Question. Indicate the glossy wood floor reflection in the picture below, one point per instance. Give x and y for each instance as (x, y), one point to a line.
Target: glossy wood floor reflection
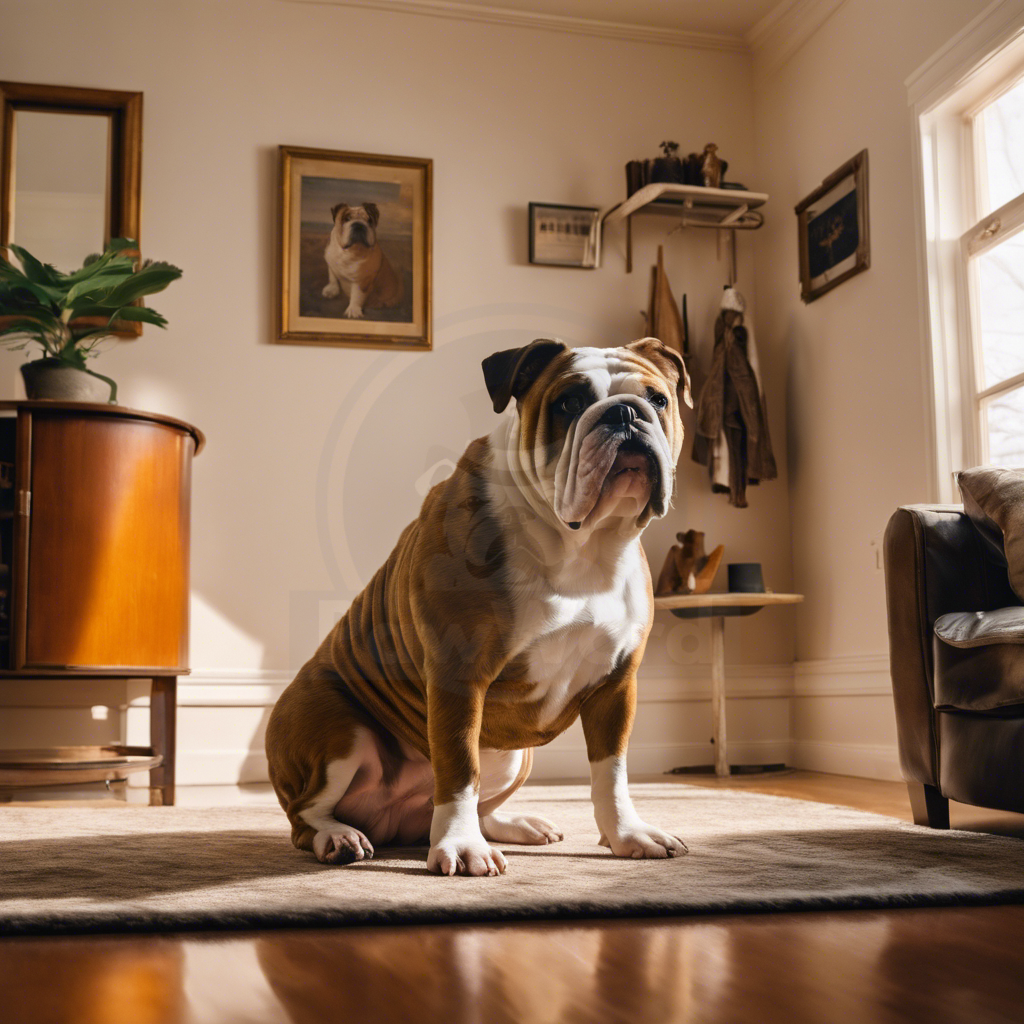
(935, 965)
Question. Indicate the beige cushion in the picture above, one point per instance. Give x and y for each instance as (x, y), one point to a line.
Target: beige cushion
(994, 500)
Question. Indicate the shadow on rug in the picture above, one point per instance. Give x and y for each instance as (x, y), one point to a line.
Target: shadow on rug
(66, 870)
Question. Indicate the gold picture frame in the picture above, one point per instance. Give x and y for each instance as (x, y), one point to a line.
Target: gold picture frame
(834, 229)
(355, 249)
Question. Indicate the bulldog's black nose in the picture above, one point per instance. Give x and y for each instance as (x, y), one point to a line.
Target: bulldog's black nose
(620, 415)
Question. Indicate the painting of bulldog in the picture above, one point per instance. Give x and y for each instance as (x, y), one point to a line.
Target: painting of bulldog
(356, 259)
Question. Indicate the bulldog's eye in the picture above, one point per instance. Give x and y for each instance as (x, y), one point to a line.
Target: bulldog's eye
(658, 400)
(571, 405)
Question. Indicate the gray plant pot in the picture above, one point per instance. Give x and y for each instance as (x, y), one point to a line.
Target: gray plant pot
(51, 378)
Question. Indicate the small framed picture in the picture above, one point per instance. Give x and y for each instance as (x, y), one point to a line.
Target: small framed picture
(834, 229)
(564, 236)
(354, 264)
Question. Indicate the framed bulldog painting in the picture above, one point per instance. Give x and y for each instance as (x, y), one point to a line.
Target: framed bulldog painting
(355, 256)
(833, 227)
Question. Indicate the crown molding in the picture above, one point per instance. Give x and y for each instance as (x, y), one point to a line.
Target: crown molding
(548, 22)
(785, 28)
(969, 51)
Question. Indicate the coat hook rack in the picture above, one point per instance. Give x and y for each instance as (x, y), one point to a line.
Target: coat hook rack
(721, 209)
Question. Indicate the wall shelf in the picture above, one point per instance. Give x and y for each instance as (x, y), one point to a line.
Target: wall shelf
(725, 209)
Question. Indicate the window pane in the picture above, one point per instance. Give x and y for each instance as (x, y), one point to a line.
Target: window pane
(1001, 312)
(1003, 416)
(1003, 123)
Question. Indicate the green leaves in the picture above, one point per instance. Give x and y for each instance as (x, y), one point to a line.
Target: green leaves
(40, 304)
(154, 278)
(38, 273)
(140, 313)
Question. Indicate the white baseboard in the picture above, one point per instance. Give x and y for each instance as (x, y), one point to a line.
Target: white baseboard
(862, 760)
(224, 748)
(860, 676)
(262, 687)
(655, 758)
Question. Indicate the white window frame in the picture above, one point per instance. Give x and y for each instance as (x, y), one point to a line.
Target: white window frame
(945, 94)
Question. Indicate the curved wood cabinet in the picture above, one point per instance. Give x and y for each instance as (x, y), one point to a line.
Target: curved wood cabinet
(94, 534)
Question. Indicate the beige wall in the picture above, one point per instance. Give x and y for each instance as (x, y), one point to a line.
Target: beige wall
(856, 399)
(314, 453)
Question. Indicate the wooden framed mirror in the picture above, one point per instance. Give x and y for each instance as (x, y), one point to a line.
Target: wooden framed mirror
(70, 171)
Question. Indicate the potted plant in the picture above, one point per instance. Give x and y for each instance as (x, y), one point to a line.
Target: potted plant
(68, 315)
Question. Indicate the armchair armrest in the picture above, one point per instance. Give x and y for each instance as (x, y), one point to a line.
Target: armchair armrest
(935, 562)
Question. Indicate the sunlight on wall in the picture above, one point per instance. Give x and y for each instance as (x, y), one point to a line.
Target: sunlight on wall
(223, 643)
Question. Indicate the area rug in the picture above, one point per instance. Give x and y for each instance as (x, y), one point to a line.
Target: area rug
(168, 868)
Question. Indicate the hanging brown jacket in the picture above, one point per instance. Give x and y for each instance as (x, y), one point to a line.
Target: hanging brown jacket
(731, 405)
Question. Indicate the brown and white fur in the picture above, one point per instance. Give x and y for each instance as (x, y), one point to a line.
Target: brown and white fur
(356, 263)
(519, 599)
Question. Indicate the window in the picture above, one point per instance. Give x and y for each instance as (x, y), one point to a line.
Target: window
(968, 117)
(993, 253)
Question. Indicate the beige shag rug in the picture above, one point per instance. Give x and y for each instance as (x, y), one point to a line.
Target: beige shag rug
(167, 868)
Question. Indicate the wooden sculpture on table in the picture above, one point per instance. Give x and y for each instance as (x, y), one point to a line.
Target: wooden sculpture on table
(687, 569)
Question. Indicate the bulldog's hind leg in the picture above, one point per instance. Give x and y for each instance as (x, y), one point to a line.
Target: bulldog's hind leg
(526, 829)
(502, 773)
(332, 841)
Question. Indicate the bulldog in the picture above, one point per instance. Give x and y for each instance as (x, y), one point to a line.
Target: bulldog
(356, 263)
(519, 599)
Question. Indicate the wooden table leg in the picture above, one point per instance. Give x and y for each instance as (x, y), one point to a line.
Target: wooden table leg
(163, 706)
(718, 693)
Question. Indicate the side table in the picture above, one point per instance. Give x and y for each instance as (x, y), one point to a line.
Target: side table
(718, 607)
(94, 571)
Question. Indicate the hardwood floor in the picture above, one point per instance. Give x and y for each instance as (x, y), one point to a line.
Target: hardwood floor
(935, 965)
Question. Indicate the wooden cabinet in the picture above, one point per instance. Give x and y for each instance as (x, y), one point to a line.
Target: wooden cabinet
(94, 551)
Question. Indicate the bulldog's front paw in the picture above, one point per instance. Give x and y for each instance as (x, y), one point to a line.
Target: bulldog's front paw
(331, 290)
(354, 312)
(642, 840)
(341, 845)
(465, 855)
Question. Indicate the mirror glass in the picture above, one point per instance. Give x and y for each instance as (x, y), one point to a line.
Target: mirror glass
(61, 185)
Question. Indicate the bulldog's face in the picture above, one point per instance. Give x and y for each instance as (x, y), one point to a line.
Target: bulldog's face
(356, 225)
(599, 432)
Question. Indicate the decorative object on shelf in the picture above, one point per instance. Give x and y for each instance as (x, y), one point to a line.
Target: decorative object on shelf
(355, 262)
(563, 236)
(833, 227)
(732, 437)
(663, 319)
(745, 578)
(68, 315)
(668, 166)
(687, 569)
(670, 169)
(711, 167)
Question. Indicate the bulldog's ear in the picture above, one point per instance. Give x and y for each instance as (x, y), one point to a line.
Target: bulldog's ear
(372, 212)
(510, 374)
(668, 360)
(335, 209)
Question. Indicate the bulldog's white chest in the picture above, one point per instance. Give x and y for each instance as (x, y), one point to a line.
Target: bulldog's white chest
(575, 641)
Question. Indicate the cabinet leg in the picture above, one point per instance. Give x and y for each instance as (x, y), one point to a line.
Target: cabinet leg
(718, 694)
(163, 706)
(930, 807)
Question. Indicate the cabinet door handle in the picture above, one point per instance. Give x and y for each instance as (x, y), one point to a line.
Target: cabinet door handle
(24, 503)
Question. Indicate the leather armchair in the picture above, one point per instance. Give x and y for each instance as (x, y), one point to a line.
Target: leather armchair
(956, 651)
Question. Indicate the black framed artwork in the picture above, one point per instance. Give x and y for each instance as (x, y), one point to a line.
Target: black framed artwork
(833, 229)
